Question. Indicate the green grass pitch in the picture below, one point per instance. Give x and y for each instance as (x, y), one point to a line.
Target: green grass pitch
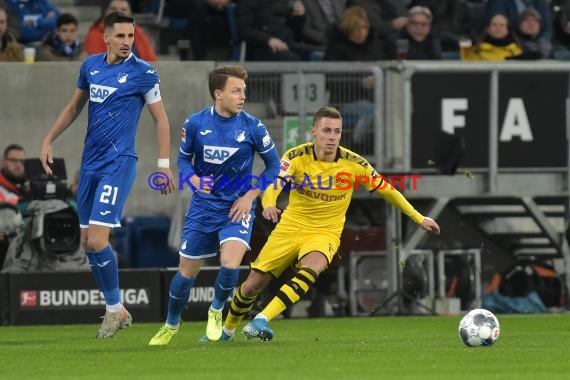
(530, 347)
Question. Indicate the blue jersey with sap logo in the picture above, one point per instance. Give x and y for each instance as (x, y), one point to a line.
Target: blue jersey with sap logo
(212, 145)
(117, 96)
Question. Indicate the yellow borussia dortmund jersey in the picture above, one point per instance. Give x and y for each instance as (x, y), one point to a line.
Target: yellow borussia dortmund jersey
(321, 191)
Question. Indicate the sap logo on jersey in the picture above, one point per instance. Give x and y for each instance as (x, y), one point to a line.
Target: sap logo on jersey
(217, 154)
(98, 93)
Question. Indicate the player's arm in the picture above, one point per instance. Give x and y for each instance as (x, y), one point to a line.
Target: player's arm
(243, 205)
(272, 191)
(163, 138)
(61, 123)
(395, 198)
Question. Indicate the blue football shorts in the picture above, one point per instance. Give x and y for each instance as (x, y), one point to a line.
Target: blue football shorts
(208, 226)
(101, 194)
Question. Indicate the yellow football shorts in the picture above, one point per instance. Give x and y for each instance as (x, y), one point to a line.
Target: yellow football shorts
(287, 246)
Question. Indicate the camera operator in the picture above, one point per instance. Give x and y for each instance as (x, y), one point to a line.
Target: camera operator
(12, 175)
(12, 193)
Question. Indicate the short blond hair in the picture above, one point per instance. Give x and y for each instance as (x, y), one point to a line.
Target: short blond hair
(350, 19)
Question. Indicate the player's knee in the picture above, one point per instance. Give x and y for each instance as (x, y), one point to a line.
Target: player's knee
(255, 284)
(317, 263)
(95, 243)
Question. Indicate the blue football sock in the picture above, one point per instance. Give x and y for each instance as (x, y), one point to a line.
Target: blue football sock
(178, 297)
(109, 272)
(225, 283)
(92, 257)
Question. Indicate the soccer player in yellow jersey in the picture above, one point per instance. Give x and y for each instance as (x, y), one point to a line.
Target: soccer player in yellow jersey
(322, 177)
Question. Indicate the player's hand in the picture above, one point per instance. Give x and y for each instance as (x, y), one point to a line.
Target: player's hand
(204, 184)
(46, 156)
(171, 186)
(271, 213)
(240, 209)
(430, 225)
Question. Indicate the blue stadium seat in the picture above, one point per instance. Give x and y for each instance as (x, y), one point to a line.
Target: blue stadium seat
(562, 55)
(450, 55)
(143, 241)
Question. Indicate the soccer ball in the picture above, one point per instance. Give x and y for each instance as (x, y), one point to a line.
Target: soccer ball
(479, 327)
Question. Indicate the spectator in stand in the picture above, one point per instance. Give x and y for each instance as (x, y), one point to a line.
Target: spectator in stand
(10, 49)
(534, 46)
(272, 30)
(321, 14)
(386, 16)
(13, 24)
(422, 44)
(512, 9)
(94, 43)
(37, 18)
(210, 15)
(561, 11)
(451, 21)
(353, 39)
(497, 44)
(62, 45)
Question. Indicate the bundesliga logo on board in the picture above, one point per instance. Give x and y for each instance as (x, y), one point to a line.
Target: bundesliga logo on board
(28, 298)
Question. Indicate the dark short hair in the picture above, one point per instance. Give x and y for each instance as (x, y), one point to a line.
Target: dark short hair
(117, 18)
(66, 18)
(10, 148)
(219, 76)
(329, 112)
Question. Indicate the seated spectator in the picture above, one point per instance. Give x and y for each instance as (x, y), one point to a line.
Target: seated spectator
(422, 44)
(94, 43)
(353, 39)
(497, 44)
(37, 18)
(272, 29)
(451, 21)
(528, 34)
(12, 175)
(320, 15)
(62, 45)
(386, 16)
(512, 9)
(210, 15)
(13, 24)
(10, 49)
(561, 11)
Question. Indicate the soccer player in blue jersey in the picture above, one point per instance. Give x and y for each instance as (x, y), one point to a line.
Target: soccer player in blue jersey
(216, 156)
(117, 85)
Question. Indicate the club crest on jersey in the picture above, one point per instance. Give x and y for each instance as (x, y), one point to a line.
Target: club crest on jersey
(284, 166)
(240, 135)
(183, 135)
(218, 154)
(122, 77)
(99, 94)
(266, 140)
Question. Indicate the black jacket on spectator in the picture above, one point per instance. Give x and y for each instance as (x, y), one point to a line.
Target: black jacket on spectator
(428, 49)
(259, 20)
(316, 24)
(451, 20)
(341, 48)
(381, 13)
